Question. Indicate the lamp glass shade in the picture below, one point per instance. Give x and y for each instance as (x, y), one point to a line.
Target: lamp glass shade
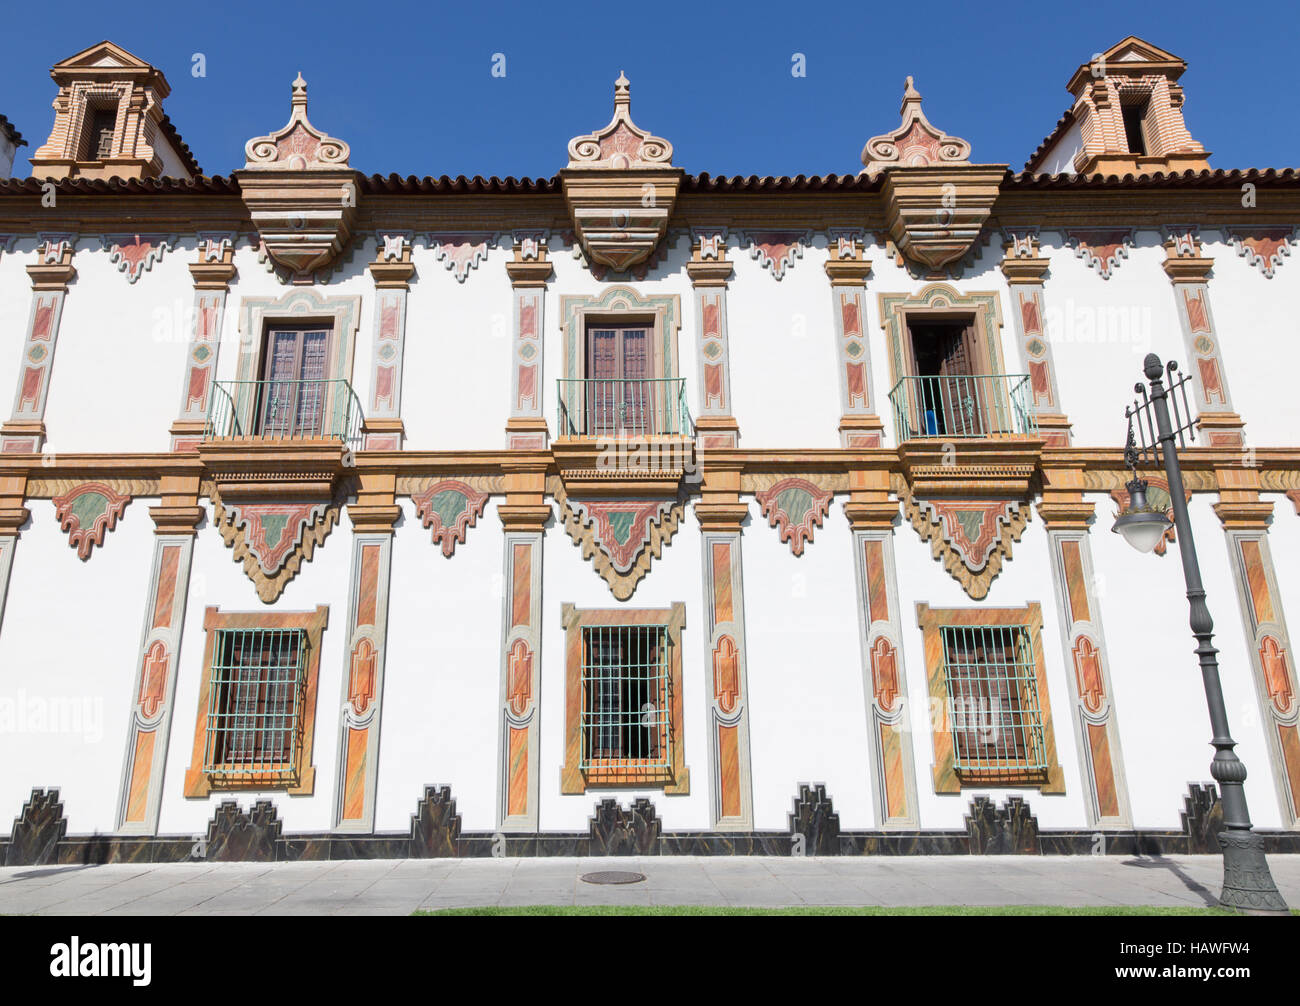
(1142, 529)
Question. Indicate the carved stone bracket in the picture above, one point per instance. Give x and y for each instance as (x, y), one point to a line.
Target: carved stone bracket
(795, 507)
(88, 512)
(450, 508)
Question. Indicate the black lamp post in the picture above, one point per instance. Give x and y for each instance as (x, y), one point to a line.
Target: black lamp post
(1247, 884)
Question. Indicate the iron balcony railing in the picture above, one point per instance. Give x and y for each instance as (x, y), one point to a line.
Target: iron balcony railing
(957, 406)
(642, 407)
(284, 410)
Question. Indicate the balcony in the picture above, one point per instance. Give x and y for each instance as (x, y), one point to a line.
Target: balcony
(591, 408)
(284, 410)
(631, 438)
(280, 438)
(963, 407)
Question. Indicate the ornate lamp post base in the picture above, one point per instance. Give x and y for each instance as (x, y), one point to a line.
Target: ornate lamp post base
(1247, 883)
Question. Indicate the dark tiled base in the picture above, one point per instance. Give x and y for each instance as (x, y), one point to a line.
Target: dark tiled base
(94, 849)
(235, 835)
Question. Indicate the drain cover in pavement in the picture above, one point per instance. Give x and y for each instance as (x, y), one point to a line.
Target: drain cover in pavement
(613, 877)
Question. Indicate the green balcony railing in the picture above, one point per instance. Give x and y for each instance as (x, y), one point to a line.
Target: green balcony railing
(963, 406)
(284, 410)
(645, 407)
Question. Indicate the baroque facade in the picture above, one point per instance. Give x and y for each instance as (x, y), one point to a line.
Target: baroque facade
(631, 509)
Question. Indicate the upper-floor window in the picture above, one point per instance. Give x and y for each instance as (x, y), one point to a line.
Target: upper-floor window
(1135, 113)
(98, 141)
(625, 392)
(953, 389)
(294, 388)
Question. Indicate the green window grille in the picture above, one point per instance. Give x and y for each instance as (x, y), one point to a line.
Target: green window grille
(255, 698)
(997, 723)
(626, 697)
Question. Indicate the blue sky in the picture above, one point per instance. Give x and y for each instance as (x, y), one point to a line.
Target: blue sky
(409, 86)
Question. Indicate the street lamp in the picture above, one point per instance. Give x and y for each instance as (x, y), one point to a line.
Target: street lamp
(1247, 883)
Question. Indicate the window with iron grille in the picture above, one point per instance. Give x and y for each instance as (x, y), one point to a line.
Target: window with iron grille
(993, 699)
(987, 679)
(255, 702)
(623, 698)
(626, 701)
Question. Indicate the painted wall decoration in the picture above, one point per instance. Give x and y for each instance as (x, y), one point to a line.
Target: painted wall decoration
(1096, 727)
(1266, 248)
(972, 538)
(460, 253)
(1272, 661)
(620, 536)
(450, 507)
(775, 250)
(135, 254)
(140, 794)
(795, 507)
(1101, 249)
(730, 788)
(518, 770)
(889, 733)
(273, 540)
(88, 512)
(363, 682)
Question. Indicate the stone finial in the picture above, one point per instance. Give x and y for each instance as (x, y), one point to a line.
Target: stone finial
(915, 143)
(621, 144)
(298, 145)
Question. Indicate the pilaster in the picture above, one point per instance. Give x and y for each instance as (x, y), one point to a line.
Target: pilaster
(1096, 727)
(212, 273)
(523, 517)
(709, 271)
(872, 515)
(154, 693)
(529, 272)
(391, 272)
(848, 270)
(50, 276)
(372, 518)
(720, 513)
(1263, 615)
(1025, 271)
(1189, 273)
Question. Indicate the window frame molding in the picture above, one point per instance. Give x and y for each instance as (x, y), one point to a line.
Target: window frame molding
(574, 780)
(199, 783)
(932, 622)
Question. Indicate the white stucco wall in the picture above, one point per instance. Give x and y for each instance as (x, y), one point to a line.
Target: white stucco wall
(106, 356)
(782, 345)
(68, 647)
(442, 673)
(1257, 323)
(1101, 329)
(806, 707)
(1059, 158)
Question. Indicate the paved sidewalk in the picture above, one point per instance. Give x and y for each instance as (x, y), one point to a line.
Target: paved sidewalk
(388, 887)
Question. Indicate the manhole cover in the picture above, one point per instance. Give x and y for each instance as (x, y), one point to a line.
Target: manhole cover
(613, 877)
